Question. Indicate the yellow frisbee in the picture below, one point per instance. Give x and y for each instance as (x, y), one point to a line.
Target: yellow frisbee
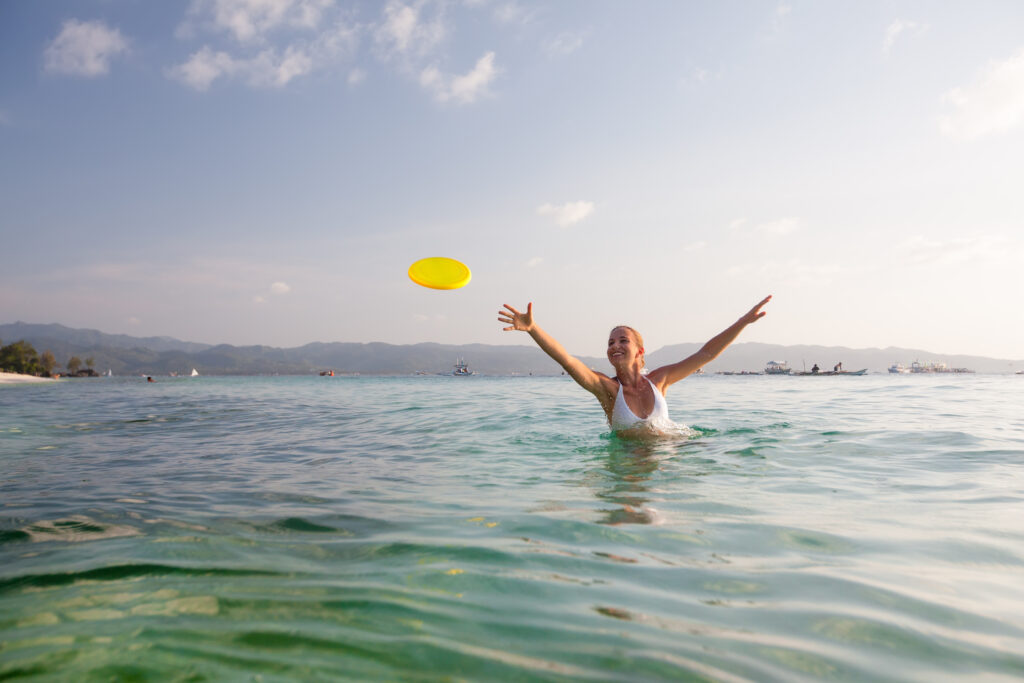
(439, 272)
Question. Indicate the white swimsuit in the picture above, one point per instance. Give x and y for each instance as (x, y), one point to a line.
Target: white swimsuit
(624, 418)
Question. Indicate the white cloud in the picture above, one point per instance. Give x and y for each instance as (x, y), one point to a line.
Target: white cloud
(463, 89)
(269, 67)
(204, 67)
(778, 228)
(514, 13)
(405, 33)
(564, 43)
(568, 213)
(356, 76)
(993, 104)
(778, 19)
(791, 271)
(251, 20)
(272, 69)
(84, 48)
(535, 261)
(737, 224)
(897, 28)
(922, 251)
(699, 75)
(275, 288)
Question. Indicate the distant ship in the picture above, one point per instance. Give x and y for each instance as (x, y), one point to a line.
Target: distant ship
(776, 368)
(899, 369)
(916, 367)
(461, 369)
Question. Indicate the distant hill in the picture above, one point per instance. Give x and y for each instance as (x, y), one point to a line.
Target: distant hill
(126, 355)
(93, 338)
(753, 356)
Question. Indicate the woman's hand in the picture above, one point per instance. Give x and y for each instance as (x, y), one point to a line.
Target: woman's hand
(755, 313)
(518, 321)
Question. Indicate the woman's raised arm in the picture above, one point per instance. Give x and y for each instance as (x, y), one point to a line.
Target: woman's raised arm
(584, 376)
(668, 375)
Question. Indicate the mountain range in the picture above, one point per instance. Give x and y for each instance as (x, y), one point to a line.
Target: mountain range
(127, 355)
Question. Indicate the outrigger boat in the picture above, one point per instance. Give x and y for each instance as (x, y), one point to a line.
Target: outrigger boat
(830, 373)
(461, 369)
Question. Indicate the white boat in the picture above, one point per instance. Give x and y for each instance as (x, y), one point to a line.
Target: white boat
(461, 369)
(195, 373)
(916, 367)
(899, 369)
(110, 373)
(776, 368)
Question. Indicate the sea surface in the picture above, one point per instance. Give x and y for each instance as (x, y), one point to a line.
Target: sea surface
(491, 529)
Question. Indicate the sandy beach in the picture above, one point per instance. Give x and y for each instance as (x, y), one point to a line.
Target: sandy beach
(15, 378)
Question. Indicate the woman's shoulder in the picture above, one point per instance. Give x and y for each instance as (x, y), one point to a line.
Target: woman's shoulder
(657, 378)
(610, 384)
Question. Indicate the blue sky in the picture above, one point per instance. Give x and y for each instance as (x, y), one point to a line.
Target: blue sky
(264, 171)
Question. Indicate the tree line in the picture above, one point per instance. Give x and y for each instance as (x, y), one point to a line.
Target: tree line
(21, 357)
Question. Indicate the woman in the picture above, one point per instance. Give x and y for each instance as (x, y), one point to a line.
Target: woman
(633, 401)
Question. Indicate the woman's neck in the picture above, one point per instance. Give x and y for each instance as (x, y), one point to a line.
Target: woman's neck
(630, 375)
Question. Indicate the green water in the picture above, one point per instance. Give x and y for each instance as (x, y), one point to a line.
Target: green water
(437, 528)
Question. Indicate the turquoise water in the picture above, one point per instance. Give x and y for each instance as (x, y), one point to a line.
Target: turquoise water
(437, 528)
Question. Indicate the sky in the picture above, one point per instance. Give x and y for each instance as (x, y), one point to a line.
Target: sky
(265, 171)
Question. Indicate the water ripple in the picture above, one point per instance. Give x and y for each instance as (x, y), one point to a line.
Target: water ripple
(300, 530)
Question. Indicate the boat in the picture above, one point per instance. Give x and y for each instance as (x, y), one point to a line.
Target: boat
(940, 368)
(195, 373)
(110, 373)
(327, 373)
(899, 369)
(832, 373)
(776, 368)
(461, 369)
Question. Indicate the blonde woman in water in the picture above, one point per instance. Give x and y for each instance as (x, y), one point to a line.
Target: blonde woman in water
(634, 402)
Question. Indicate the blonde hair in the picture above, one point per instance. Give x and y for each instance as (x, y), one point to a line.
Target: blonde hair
(637, 337)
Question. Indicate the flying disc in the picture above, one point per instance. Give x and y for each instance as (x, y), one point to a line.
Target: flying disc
(439, 272)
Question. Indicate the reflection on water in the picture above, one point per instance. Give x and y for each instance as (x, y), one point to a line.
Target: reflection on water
(625, 474)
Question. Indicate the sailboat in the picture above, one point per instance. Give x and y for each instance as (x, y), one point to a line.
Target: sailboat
(110, 373)
(195, 373)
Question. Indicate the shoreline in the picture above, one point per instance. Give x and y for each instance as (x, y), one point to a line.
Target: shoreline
(15, 378)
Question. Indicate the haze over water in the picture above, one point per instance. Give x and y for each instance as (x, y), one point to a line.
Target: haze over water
(298, 528)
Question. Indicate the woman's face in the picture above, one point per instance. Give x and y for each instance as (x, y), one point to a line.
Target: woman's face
(622, 346)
